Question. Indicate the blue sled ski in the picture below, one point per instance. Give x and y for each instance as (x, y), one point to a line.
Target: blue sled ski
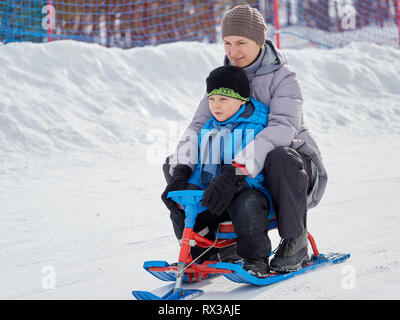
(241, 276)
(238, 274)
(234, 273)
(180, 294)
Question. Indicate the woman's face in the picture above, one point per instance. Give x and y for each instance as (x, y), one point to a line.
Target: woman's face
(223, 108)
(241, 51)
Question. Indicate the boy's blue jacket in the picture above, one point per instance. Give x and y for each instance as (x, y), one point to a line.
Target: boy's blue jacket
(241, 128)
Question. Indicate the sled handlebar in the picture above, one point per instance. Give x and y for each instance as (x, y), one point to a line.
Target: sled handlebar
(241, 167)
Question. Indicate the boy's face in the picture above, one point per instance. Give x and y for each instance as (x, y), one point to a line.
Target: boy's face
(223, 108)
(241, 51)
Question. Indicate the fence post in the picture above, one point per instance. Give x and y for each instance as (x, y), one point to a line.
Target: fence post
(276, 21)
(397, 5)
(49, 30)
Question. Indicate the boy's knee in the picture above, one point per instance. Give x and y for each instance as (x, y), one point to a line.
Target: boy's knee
(250, 199)
(249, 211)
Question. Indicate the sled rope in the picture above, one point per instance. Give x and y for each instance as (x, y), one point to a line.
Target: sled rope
(212, 246)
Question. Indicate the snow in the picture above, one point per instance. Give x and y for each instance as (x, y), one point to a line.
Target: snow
(83, 133)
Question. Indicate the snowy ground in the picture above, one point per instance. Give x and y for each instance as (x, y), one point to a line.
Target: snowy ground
(83, 131)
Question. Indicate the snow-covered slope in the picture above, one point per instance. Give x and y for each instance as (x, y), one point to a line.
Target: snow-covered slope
(84, 130)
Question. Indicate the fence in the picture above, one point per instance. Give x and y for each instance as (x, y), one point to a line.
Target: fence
(336, 23)
(132, 23)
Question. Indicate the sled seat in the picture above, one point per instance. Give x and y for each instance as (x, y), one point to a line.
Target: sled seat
(226, 230)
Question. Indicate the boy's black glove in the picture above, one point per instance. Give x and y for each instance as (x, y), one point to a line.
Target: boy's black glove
(178, 181)
(221, 190)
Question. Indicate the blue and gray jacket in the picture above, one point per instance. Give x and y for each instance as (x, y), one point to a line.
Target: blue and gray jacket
(219, 142)
(275, 84)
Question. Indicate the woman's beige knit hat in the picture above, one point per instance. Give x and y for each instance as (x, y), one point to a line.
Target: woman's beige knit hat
(244, 21)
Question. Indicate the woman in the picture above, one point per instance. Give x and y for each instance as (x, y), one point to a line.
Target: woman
(284, 150)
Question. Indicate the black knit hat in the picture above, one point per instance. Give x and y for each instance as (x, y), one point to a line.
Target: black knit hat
(229, 81)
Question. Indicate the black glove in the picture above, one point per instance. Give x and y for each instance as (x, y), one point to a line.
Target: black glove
(221, 190)
(178, 181)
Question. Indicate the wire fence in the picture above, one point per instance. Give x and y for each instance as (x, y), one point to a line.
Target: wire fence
(130, 23)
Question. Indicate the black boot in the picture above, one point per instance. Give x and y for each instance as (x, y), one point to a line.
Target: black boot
(291, 254)
(204, 254)
(257, 267)
(228, 254)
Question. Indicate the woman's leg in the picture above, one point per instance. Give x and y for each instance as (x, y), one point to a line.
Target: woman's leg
(288, 175)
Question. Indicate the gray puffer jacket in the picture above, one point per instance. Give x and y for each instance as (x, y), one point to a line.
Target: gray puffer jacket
(273, 83)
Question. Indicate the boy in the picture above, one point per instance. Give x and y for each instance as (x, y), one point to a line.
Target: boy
(229, 195)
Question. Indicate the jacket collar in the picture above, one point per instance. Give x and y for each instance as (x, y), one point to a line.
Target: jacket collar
(269, 60)
(253, 111)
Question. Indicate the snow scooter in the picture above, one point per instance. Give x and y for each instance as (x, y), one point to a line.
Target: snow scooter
(188, 271)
